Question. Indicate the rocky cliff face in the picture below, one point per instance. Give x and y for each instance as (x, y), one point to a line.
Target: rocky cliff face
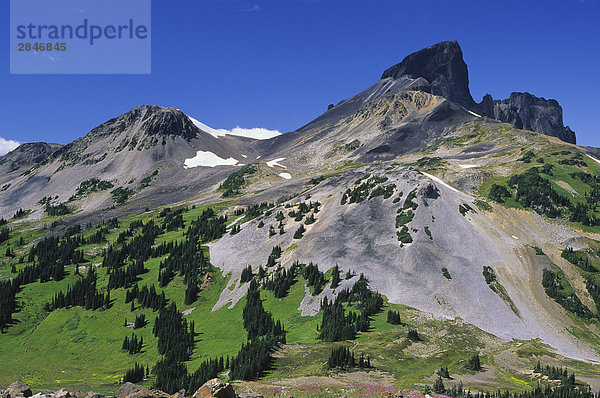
(443, 67)
(528, 112)
(445, 72)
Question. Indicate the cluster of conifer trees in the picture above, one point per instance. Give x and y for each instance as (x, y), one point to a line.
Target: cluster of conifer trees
(474, 363)
(393, 317)
(82, 293)
(578, 258)
(125, 276)
(8, 302)
(362, 188)
(555, 373)
(175, 337)
(536, 192)
(247, 274)
(552, 282)
(147, 297)
(135, 374)
(274, 256)
(173, 219)
(342, 357)
(4, 234)
(132, 345)
(49, 258)
(264, 335)
(281, 280)
(314, 277)
(337, 325)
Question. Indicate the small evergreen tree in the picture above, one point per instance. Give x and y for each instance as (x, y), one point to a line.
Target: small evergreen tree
(474, 363)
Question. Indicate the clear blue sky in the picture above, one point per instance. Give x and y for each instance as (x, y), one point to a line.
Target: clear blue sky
(278, 63)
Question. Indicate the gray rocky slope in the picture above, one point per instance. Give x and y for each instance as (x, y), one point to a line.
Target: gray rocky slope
(362, 237)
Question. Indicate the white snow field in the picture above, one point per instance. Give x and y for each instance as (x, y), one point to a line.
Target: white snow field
(287, 176)
(208, 159)
(275, 162)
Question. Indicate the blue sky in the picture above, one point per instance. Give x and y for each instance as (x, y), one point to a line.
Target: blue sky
(277, 64)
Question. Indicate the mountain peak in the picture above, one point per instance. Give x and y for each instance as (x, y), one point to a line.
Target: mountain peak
(443, 67)
(151, 120)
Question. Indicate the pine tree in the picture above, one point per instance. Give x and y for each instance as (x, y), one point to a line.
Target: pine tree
(438, 386)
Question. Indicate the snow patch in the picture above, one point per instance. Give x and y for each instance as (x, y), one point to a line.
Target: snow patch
(467, 166)
(473, 113)
(275, 162)
(244, 156)
(256, 133)
(515, 237)
(594, 159)
(434, 178)
(287, 176)
(208, 159)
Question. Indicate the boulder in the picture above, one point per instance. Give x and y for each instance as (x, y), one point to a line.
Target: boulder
(126, 389)
(18, 389)
(130, 390)
(62, 393)
(93, 394)
(215, 388)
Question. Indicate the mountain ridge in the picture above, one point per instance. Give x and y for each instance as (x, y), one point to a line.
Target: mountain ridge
(443, 67)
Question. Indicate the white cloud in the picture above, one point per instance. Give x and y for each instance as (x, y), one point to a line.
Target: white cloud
(7, 145)
(257, 133)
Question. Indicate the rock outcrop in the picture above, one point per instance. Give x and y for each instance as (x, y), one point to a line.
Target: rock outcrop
(443, 67)
(130, 390)
(215, 388)
(445, 74)
(528, 112)
(17, 389)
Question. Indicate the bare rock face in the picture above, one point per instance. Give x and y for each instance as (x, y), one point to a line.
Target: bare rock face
(445, 73)
(18, 389)
(215, 388)
(528, 112)
(443, 67)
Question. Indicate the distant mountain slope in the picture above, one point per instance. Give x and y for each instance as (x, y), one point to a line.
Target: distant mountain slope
(150, 151)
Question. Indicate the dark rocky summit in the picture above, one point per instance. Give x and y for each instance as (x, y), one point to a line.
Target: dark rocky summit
(443, 67)
(528, 112)
(445, 72)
